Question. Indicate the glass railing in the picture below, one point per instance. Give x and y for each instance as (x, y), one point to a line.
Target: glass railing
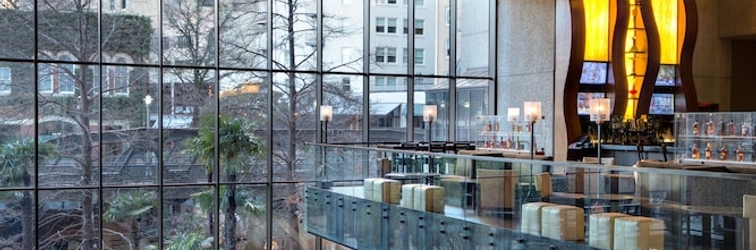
(378, 197)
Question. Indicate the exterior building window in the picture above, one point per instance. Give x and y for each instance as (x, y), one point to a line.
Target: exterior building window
(65, 76)
(385, 1)
(380, 81)
(120, 78)
(419, 26)
(417, 2)
(448, 15)
(380, 25)
(346, 55)
(44, 81)
(447, 47)
(385, 55)
(5, 80)
(419, 56)
(346, 84)
(390, 81)
(391, 26)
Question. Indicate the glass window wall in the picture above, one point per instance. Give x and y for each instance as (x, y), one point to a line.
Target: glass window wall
(192, 116)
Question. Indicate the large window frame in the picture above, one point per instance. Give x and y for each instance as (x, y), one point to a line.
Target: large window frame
(55, 75)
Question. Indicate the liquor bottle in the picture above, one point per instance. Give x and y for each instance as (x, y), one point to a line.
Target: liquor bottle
(509, 142)
(723, 153)
(496, 125)
(519, 127)
(722, 128)
(502, 143)
(696, 128)
(696, 152)
(740, 154)
(707, 153)
(731, 126)
(517, 143)
(745, 129)
(711, 128)
(489, 126)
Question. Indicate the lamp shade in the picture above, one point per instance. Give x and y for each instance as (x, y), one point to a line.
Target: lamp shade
(513, 114)
(429, 113)
(532, 111)
(599, 109)
(147, 100)
(326, 113)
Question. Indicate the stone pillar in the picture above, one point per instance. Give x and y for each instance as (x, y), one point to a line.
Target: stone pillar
(525, 70)
(749, 212)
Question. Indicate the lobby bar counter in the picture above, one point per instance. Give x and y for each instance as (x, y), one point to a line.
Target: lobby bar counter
(514, 203)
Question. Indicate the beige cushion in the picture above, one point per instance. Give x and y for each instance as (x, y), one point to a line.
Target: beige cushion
(367, 186)
(637, 232)
(543, 184)
(408, 195)
(531, 217)
(386, 190)
(497, 189)
(429, 198)
(601, 229)
(563, 222)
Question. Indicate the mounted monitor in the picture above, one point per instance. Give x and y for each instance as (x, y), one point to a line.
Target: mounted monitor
(667, 75)
(662, 104)
(594, 73)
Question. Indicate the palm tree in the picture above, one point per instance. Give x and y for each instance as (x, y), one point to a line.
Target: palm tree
(234, 146)
(18, 159)
(129, 207)
(187, 241)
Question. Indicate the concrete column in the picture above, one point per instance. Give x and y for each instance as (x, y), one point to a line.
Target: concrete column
(526, 37)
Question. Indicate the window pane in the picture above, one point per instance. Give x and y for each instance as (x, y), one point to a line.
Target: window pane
(439, 128)
(473, 38)
(291, 51)
(189, 26)
(243, 34)
(472, 101)
(387, 110)
(18, 39)
(129, 141)
(387, 40)
(344, 94)
(343, 28)
(125, 32)
(294, 122)
(243, 114)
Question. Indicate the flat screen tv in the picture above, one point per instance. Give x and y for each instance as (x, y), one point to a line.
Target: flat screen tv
(593, 73)
(667, 75)
(662, 104)
(584, 98)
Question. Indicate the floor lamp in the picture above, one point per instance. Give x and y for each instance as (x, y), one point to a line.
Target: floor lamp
(532, 114)
(599, 113)
(430, 112)
(326, 115)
